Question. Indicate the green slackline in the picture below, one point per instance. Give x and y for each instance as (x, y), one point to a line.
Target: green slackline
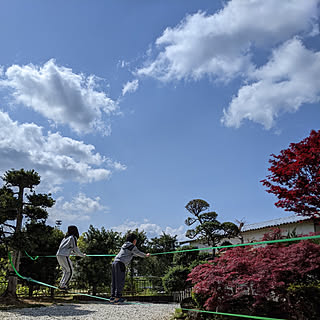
(135, 303)
(199, 249)
(178, 251)
(32, 258)
(232, 315)
(50, 286)
(241, 244)
(54, 256)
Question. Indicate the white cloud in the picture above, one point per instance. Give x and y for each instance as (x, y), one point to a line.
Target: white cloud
(123, 64)
(61, 95)
(219, 45)
(152, 230)
(288, 80)
(117, 166)
(130, 86)
(82, 203)
(79, 208)
(57, 159)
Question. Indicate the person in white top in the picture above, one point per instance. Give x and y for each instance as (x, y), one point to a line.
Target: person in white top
(67, 247)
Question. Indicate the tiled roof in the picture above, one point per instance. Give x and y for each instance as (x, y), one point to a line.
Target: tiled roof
(274, 223)
(264, 224)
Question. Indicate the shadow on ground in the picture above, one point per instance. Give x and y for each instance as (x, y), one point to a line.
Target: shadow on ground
(62, 310)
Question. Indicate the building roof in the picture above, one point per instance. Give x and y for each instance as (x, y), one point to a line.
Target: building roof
(274, 223)
(264, 224)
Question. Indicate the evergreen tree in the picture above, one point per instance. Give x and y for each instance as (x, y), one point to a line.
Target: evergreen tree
(159, 264)
(176, 276)
(95, 272)
(42, 240)
(137, 265)
(14, 208)
(209, 230)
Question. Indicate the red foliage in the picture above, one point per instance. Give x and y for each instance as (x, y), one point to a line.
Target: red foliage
(295, 176)
(264, 273)
(273, 234)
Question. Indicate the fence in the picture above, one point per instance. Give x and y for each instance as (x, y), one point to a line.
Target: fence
(178, 296)
(141, 286)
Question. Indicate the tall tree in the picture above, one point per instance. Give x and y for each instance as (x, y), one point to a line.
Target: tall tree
(187, 258)
(295, 176)
(14, 208)
(41, 240)
(157, 265)
(8, 211)
(96, 271)
(136, 265)
(209, 230)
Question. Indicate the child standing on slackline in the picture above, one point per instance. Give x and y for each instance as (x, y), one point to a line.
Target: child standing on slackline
(123, 258)
(67, 247)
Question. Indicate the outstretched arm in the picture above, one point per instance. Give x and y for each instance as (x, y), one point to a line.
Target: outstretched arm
(139, 253)
(76, 250)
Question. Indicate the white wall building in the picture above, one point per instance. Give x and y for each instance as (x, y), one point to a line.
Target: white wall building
(299, 225)
(254, 232)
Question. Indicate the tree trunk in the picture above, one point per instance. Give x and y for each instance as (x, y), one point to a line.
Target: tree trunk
(213, 253)
(30, 290)
(10, 292)
(12, 279)
(212, 243)
(52, 293)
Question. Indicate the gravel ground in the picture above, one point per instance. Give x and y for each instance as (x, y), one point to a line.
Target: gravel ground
(93, 311)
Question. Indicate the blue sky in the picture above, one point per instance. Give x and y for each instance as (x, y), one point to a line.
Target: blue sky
(130, 109)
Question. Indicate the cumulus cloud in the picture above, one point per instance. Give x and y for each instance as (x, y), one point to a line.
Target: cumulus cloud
(288, 80)
(61, 95)
(219, 45)
(130, 86)
(152, 230)
(57, 159)
(79, 208)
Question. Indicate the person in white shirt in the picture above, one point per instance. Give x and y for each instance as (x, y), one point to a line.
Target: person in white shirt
(67, 247)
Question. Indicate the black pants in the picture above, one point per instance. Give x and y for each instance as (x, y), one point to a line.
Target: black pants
(118, 278)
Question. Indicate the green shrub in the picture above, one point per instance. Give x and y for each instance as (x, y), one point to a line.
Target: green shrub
(304, 301)
(176, 279)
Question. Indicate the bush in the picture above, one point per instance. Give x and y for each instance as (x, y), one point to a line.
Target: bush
(261, 275)
(185, 258)
(304, 301)
(176, 279)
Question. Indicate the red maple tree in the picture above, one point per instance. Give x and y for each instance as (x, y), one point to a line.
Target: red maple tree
(295, 176)
(262, 274)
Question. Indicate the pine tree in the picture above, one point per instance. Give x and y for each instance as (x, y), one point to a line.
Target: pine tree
(209, 230)
(14, 208)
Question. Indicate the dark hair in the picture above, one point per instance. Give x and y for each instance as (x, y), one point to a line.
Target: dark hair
(72, 231)
(131, 237)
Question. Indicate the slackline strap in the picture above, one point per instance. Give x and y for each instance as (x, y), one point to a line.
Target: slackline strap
(199, 249)
(106, 299)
